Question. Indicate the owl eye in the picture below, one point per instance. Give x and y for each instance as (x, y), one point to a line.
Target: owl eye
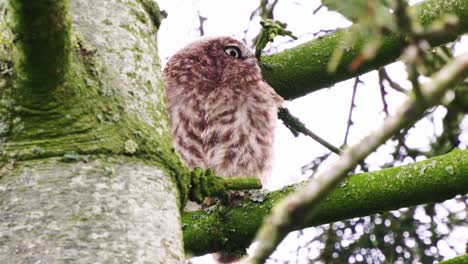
(233, 51)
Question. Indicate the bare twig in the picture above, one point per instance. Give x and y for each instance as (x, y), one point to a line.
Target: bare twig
(383, 75)
(413, 77)
(314, 164)
(383, 93)
(201, 27)
(324, 31)
(265, 10)
(317, 9)
(299, 207)
(296, 127)
(349, 123)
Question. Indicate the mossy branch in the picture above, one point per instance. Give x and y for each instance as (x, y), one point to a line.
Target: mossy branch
(297, 208)
(43, 42)
(270, 29)
(430, 181)
(204, 183)
(303, 69)
(246, 183)
(457, 260)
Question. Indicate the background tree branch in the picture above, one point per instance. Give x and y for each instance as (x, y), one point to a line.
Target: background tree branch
(457, 260)
(303, 69)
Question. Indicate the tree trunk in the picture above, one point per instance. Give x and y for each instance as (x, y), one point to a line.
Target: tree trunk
(86, 163)
(108, 210)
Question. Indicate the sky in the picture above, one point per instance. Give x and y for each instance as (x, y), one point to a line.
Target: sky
(325, 112)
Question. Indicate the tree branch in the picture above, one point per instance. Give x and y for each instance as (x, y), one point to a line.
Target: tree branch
(296, 126)
(457, 260)
(303, 69)
(297, 208)
(430, 181)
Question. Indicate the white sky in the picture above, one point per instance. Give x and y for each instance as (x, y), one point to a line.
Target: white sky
(324, 112)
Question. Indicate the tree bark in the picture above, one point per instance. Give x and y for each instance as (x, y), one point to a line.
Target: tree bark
(107, 210)
(87, 167)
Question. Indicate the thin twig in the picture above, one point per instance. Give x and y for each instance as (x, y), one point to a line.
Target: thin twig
(298, 208)
(201, 27)
(317, 9)
(314, 164)
(296, 127)
(383, 93)
(324, 31)
(349, 123)
(395, 86)
(267, 11)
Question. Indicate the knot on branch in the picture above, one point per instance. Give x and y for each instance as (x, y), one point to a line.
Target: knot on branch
(270, 29)
(204, 183)
(291, 122)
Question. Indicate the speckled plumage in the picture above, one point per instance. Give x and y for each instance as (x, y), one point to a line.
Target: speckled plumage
(222, 112)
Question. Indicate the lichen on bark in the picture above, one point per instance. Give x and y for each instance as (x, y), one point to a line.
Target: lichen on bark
(102, 209)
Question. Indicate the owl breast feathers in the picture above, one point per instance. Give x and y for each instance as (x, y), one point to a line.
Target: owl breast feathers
(222, 113)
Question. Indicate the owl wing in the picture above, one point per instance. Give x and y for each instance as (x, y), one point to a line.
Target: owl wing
(240, 122)
(187, 124)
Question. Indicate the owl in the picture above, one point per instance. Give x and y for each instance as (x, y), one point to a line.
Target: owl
(222, 112)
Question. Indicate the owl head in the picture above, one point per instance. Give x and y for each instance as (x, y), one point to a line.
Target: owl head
(210, 62)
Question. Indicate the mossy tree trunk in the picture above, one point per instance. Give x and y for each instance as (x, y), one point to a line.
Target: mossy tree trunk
(85, 153)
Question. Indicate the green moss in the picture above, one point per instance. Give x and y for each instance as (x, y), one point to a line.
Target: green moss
(127, 27)
(293, 72)
(131, 75)
(152, 9)
(42, 47)
(87, 124)
(137, 48)
(7, 76)
(433, 10)
(303, 69)
(222, 228)
(80, 113)
(107, 22)
(457, 260)
(138, 58)
(139, 15)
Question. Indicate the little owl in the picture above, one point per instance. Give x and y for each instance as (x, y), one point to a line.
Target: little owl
(222, 113)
